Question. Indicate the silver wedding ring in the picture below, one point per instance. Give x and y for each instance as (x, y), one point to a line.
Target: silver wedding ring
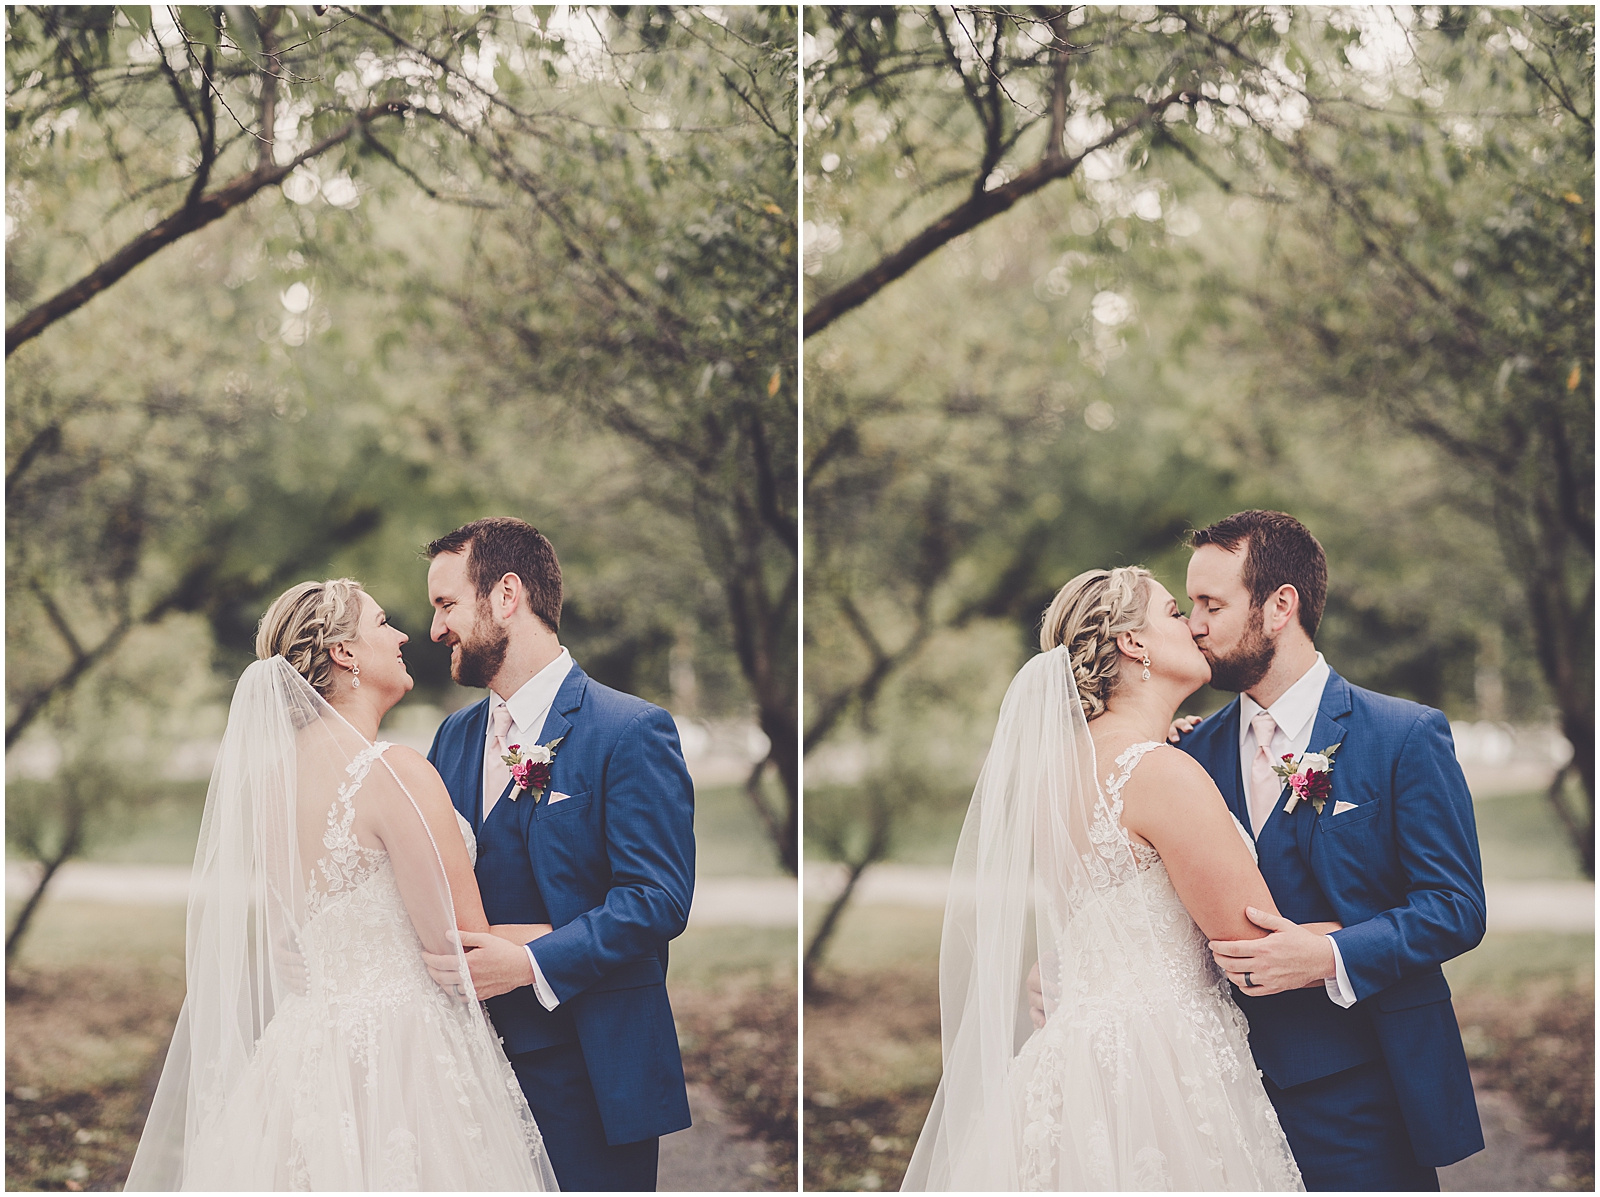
(460, 992)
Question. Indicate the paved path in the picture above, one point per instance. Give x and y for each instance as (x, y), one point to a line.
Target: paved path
(1513, 905)
(718, 901)
(1513, 1160)
(712, 1156)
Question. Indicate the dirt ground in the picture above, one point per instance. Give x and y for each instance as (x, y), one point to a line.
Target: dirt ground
(872, 1064)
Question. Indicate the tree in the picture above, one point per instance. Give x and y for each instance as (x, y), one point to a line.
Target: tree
(669, 321)
(264, 400)
(955, 101)
(1455, 250)
(1135, 377)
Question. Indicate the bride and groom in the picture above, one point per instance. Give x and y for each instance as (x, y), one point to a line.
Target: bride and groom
(1215, 966)
(353, 902)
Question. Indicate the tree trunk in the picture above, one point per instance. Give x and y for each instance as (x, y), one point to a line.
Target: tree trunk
(69, 849)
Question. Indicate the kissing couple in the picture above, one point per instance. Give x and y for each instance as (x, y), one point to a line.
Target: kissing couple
(1214, 966)
(353, 903)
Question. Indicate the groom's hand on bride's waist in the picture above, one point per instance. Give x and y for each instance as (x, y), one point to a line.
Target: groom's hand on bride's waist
(1291, 956)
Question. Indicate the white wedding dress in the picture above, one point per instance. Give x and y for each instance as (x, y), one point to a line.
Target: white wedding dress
(1144, 1027)
(360, 1073)
(1141, 1077)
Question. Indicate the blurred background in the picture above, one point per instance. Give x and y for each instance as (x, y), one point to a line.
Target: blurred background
(1079, 279)
(289, 292)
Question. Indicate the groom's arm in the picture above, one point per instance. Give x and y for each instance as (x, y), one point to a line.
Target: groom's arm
(649, 822)
(1437, 839)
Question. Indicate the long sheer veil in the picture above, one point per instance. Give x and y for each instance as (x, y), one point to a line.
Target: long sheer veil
(1031, 861)
(299, 807)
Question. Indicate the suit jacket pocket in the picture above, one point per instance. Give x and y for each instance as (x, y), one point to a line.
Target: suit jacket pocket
(554, 810)
(1333, 823)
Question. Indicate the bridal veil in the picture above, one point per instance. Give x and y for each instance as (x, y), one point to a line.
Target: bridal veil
(290, 898)
(1038, 859)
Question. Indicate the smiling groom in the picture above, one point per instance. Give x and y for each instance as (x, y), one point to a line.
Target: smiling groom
(586, 838)
(1354, 1031)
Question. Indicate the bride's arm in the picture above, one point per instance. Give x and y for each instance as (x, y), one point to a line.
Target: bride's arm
(1171, 803)
(432, 801)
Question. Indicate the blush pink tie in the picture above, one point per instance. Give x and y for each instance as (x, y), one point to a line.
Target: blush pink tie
(496, 773)
(1265, 785)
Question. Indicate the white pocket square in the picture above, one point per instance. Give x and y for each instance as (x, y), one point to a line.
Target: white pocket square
(1340, 807)
(557, 796)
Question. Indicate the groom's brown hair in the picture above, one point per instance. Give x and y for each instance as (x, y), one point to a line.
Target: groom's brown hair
(1279, 551)
(501, 545)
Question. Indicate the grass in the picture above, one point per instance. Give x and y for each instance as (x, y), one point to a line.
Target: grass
(1522, 840)
(95, 991)
(729, 840)
(1519, 835)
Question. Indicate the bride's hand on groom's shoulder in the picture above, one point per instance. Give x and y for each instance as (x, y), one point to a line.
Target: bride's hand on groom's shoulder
(1182, 726)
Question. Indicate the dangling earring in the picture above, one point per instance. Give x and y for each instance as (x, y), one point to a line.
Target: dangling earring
(1145, 663)
(355, 682)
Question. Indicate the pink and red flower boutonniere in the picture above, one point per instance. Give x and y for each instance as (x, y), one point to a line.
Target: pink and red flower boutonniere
(1309, 776)
(530, 769)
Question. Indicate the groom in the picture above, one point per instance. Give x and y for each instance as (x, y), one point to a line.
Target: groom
(597, 841)
(1354, 1031)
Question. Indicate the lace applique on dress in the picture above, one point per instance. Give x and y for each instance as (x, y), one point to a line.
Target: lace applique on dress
(1141, 1003)
(1114, 851)
(371, 1034)
(348, 863)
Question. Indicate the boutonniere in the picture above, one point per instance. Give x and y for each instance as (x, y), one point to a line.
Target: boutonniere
(1310, 777)
(530, 770)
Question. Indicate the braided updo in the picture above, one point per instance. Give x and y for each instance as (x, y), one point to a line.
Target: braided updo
(1087, 615)
(305, 621)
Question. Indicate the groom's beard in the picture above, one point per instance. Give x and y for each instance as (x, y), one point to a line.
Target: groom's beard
(1248, 663)
(480, 659)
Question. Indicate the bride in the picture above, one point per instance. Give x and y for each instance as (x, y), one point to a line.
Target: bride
(1103, 860)
(314, 1051)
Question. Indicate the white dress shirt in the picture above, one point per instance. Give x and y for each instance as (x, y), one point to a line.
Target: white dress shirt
(1295, 714)
(529, 707)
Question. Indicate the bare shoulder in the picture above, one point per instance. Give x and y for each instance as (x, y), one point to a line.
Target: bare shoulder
(1169, 772)
(415, 771)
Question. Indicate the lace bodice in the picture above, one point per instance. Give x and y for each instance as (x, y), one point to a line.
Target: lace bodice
(1137, 987)
(316, 1051)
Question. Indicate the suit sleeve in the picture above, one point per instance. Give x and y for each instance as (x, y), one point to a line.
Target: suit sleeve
(1443, 911)
(650, 847)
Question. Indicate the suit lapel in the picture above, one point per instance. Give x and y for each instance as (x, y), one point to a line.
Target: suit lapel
(1222, 762)
(556, 724)
(467, 793)
(1328, 731)
(568, 699)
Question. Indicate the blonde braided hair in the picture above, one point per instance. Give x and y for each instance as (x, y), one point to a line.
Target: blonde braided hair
(305, 621)
(1087, 615)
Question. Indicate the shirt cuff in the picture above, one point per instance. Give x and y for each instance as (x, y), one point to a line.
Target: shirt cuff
(547, 996)
(1340, 991)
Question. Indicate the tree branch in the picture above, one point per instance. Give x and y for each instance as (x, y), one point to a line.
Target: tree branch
(963, 218)
(181, 223)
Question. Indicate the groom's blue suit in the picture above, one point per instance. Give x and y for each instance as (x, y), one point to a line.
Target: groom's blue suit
(611, 867)
(1376, 1096)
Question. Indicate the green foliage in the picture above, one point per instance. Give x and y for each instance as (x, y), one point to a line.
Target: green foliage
(1346, 272)
(450, 308)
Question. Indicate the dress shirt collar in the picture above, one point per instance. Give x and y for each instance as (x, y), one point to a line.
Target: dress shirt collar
(534, 698)
(1296, 707)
